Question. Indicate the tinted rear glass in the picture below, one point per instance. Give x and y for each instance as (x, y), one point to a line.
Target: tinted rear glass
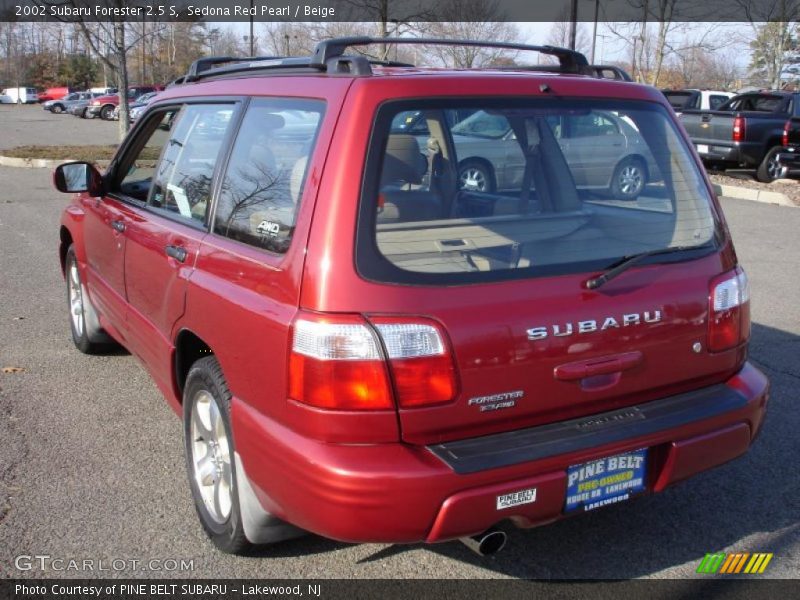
(756, 103)
(679, 100)
(526, 188)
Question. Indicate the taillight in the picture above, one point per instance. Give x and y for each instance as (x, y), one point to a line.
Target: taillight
(338, 364)
(343, 363)
(419, 359)
(738, 129)
(729, 311)
(785, 137)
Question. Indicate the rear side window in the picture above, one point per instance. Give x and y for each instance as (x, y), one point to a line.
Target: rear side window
(265, 176)
(525, 188)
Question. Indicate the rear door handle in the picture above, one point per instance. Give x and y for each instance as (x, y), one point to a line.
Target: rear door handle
(118, 226)
(176, 252)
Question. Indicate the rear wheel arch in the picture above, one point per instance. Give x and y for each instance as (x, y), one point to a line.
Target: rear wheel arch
(642, 161)
(189, 348)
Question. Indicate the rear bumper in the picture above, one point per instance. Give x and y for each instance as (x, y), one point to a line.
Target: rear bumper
(401, 493)
(790, 159)
(93, 110)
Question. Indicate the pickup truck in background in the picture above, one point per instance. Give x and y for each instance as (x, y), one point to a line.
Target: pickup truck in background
(746, 131)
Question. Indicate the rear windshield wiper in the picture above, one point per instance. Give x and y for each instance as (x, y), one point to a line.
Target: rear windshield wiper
(628, 261)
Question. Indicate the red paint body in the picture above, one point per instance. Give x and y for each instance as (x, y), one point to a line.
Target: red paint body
(368, 476)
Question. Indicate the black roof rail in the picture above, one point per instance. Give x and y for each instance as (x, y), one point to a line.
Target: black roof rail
(208, 63)
(570, 61)
(618, 73)
(329, 57)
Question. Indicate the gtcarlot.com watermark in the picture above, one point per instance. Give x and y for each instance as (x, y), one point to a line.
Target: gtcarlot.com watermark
(45, 562)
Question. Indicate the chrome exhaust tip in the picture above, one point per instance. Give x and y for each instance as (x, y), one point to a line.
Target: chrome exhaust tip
(487, 543)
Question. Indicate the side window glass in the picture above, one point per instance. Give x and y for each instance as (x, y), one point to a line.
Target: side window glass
(182, 180)
(264, 181)
(140, 167)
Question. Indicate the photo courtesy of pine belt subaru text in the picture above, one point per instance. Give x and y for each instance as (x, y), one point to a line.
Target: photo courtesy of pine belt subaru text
(401, 304)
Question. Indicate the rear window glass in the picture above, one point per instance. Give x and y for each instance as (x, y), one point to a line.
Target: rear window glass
(680, 100)
(756, 103)
(716, 101)
(526, 188)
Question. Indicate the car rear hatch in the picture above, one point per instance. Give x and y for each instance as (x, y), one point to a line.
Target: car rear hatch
(496, 282)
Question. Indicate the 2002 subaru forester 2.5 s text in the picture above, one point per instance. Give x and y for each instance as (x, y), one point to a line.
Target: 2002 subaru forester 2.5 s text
(397, 304)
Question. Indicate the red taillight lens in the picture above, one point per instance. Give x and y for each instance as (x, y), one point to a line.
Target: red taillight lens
(785, 137)
(337, 364)
(419, 359)
(729, 311)
(738, 129)
(341, 362)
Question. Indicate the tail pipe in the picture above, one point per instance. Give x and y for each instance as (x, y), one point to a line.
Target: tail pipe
(487, 543)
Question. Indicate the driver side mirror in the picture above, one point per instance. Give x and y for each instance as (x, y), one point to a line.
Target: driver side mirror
(78, 177)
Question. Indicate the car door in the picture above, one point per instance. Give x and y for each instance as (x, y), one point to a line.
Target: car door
(164, 234)
(104, 243)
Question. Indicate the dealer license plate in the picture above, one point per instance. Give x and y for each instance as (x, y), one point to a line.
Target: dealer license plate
(702, 148)
(606, 481)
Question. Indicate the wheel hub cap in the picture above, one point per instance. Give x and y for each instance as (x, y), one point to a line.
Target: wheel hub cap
(211, 456)
(630, 180)
(75, 298)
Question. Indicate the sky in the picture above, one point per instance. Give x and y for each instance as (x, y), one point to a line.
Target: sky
(731, 36)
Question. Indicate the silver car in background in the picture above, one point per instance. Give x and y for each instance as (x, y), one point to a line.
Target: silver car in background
(62, 105)
(604, 152)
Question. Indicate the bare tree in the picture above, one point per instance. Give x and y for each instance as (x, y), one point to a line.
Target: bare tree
(560, 34)
(111, 41)
(469, 20)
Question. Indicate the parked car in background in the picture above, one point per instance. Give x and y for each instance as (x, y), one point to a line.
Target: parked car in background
(78, 108)
(64, 104)
(746, 131)
(103, 91)
(104, 106)
(363, 348)
(136, 109)
(5, 99)
(21, 95)
(681, 100)
(606, 151)
(54, 93)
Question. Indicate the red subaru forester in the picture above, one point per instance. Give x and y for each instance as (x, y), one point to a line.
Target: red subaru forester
(397, 304)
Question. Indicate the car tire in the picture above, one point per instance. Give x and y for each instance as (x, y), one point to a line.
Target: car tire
(209, 450)
(56, 109)
(769, 169)
(476, 176)
(107, 112)
(87, 335)
(629, 179)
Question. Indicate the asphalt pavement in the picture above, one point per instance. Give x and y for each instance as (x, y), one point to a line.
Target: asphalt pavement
(91, 464)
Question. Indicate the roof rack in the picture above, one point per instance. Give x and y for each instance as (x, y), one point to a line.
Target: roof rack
(570, 61)
(329, 57)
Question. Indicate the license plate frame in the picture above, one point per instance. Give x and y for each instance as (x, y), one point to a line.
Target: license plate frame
(606, 481)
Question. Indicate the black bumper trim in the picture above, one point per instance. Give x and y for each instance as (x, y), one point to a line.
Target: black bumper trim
(514, 447)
